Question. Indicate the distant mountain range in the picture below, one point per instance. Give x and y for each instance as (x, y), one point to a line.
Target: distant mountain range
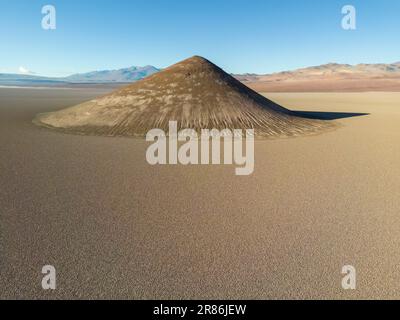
(328, 77)
(126, 75)
(122, 75)
(340, 70)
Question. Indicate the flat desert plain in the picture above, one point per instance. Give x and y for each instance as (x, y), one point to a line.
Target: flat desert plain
(115, 227)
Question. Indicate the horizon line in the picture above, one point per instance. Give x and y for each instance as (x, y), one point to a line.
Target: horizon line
(39, 75)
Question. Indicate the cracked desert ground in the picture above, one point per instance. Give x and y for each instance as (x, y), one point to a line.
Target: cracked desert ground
(115, 227)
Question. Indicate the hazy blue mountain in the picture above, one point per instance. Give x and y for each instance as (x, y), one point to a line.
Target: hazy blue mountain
(23, 77)
(106, 76)
(23, 80)
(121, 75)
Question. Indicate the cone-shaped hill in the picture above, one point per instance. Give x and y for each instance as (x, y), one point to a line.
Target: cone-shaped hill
(195, 93)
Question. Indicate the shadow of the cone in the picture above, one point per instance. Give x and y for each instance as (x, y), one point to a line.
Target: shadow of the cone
(326, 115)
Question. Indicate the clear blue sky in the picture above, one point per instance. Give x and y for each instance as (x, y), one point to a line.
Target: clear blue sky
(259, 36)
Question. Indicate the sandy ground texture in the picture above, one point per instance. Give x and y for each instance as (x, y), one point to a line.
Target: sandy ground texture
(115, 227)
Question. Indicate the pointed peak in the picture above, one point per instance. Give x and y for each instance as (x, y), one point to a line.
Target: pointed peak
(194, 64)
(196, 60)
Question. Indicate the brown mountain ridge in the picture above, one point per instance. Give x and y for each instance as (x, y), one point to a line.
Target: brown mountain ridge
(331, 77)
